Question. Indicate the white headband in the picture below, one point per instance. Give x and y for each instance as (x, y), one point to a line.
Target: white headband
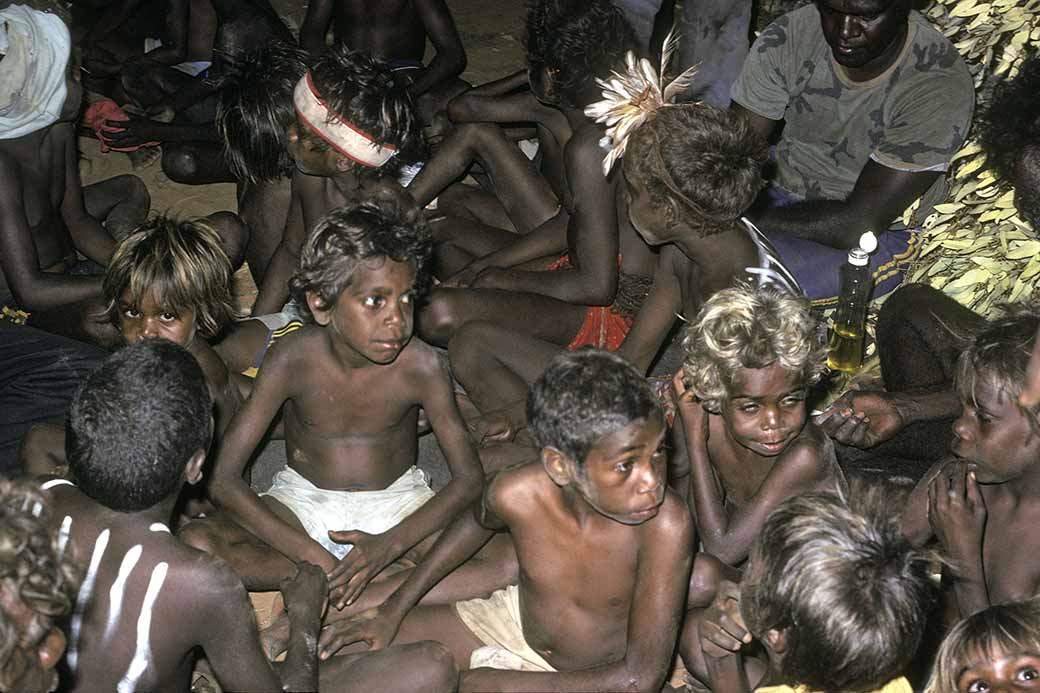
(344, 137)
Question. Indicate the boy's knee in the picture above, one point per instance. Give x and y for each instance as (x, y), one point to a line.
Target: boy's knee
(201, 535)
(468, 345)
(234, 235)
(180, 165)
(904, 301)
(708, 573)
(135, 192)
(439, 319)
(442, 672)
(474, 135)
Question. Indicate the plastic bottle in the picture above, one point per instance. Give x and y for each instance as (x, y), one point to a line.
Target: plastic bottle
(845, 349)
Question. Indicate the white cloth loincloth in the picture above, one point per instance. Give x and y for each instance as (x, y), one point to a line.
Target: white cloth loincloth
(495, 621)
(321, 510)
(35, 47)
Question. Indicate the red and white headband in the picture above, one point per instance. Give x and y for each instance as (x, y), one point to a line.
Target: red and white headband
(343, 136)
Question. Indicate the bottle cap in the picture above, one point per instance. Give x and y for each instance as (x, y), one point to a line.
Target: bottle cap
(868, 242)
(858, 257)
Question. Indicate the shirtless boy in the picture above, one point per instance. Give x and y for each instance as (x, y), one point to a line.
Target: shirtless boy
(751, 356)
(343, 93)
(604, 550)
(351, 499)
(396, 31)
(46, 216)
(137, 431)
(980, 506)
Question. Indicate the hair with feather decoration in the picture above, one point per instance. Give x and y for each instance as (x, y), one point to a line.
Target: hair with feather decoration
(630, 99)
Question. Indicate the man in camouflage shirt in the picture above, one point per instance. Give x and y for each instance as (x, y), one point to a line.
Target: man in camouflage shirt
(874, 103)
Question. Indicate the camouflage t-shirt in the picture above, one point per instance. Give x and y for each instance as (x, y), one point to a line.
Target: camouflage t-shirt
(913, 117)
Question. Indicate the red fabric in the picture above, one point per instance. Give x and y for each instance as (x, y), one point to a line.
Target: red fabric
(604, 327)
(107, 109)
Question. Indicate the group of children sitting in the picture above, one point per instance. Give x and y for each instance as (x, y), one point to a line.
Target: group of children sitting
(597, 533)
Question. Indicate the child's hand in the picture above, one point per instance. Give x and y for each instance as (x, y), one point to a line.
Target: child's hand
(722, 629)
(861, 419)
(377, 627)
(464, 278)
(371, 553)
(690, 409)
(307, 593)
(957, 511)
(493, 278)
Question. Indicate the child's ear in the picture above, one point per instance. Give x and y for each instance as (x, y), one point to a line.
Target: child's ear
(777, 640)
(193, 470)
(318, 309)
(557, 465)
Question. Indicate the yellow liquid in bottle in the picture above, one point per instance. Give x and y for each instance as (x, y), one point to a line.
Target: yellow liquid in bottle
(845, 350)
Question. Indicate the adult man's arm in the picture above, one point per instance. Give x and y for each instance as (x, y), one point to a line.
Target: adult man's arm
(662, 578)
(450, 58)
(864, 419)
(31, 287)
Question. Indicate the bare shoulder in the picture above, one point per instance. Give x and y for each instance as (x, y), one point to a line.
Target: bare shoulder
(296, 349)
(207, 580)
(673, 521)
(811, 450)
(583, 149)
(213, 367)
(516, 490)
(423, 359)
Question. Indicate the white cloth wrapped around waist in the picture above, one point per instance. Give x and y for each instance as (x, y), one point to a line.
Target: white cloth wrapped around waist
(35, 47)
(321, 511)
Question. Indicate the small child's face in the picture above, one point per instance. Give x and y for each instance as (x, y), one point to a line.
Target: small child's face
(994, 433)
(647, 218)
(1019, 672)
(625, 472)
(765, 411)
(150, 319)
(373, 316)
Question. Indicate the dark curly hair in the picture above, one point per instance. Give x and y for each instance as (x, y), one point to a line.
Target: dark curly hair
(135, 423)
(583, 396)
(256, 109)
(1011, 123)
(388, 225)
(702, 165)
(576, 41)
(31, 562)
(365, 92)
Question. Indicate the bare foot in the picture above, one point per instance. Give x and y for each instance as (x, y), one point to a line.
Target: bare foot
(275, 638)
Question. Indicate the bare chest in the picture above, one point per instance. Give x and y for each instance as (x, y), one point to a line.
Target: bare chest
(1011, 553)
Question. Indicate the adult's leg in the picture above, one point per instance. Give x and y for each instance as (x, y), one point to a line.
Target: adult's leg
(264, 208)
(714, 34)
(39, 374)
(120, 203)
(526, 195)
(458, 241)
(234, 236)
(145, 82)
(531, 314)
(640, 15)
(920, 334)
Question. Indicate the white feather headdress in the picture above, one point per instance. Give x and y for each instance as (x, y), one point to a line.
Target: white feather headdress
(630, 98)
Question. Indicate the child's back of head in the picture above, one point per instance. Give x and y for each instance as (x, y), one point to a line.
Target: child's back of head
(702, 165)
(841, 589)
(991, 650)
(387, 226)
(136, 422)
(180, 265)
(583, 396)
(574, 41)
(749, 327)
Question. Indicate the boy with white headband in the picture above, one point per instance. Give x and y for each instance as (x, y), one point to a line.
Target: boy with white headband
(48, 220)
(355, 125)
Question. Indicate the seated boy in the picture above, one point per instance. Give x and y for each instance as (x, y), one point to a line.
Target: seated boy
(137, 431)
(38, 585)
(396, 31)
(351, 499)
(837, 599)
(574, 278)
(168, 279)
(355, 125)
(603, 548)
(978, 506)
(47, 218)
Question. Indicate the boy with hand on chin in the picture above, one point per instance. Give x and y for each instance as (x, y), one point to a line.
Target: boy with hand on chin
(982, 506)
(350, 386)
(603, 548)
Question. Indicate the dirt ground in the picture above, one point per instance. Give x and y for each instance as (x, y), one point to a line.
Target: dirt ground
(491, 30)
